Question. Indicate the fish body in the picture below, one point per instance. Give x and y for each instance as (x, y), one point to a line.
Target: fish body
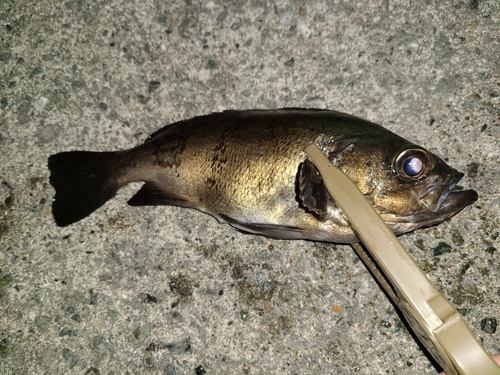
(249, 169)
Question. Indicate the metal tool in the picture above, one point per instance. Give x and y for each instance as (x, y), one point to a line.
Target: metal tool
(438, 325)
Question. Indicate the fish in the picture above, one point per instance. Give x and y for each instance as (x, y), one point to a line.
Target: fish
(248, 168)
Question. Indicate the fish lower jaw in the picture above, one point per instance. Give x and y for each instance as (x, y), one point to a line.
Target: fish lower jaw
(399, 228)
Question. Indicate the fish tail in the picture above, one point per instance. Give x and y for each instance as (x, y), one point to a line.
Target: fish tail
(83, 181)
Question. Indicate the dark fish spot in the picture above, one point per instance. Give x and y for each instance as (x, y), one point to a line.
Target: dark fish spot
(290, 62)
(169, 154)
(211, 182)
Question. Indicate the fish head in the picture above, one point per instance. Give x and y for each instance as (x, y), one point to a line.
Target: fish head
(407, 185)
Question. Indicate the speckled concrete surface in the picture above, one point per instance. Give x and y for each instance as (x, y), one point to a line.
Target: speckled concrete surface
(167, 290)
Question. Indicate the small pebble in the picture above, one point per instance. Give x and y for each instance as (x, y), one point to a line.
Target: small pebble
(457, 238)
(71, 358)
(153, 86)
(76, 318)
(267, 287)
(244, 315)
(147, 298)
(212, 64)
(386, 324)
(490, 250)
(170, 370)
(267, 306)
(200, 370)
(180, 346)
(489, 325)
(441, 249)
(68, 332)
(336, 309)
(92, 371)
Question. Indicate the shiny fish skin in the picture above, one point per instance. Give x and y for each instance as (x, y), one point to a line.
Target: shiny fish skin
(249, 169)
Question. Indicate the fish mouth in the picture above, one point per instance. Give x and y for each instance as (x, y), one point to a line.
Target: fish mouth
(447, 198)
(441, 201)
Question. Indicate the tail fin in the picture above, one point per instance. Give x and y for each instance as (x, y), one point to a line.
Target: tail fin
(83, 181)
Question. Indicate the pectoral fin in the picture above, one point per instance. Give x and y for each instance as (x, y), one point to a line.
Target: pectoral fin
(312, 191)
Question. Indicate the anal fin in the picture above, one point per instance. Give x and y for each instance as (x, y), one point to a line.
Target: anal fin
(152, 194)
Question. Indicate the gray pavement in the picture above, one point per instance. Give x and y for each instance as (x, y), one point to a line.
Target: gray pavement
(166, 290)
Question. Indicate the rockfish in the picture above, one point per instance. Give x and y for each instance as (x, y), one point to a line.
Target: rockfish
(249, 169)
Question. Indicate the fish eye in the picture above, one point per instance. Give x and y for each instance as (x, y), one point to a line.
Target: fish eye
(412, 163)
(413, 166)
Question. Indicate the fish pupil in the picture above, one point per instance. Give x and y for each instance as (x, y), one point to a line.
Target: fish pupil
(412, 166)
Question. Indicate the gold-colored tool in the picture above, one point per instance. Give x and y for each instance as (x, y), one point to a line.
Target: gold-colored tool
(431, 316)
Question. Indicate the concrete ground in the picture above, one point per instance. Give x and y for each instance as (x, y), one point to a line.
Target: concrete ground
(166, 290)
